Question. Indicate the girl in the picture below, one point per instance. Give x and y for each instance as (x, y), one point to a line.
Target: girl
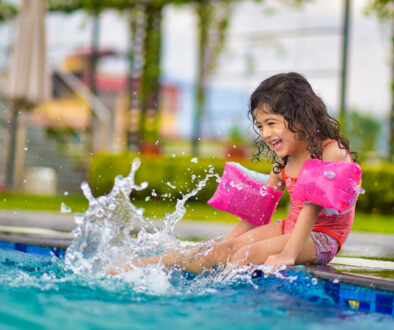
(293, 125)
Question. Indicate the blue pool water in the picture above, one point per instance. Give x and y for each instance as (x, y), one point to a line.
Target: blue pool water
(36, 292)
(39, 290)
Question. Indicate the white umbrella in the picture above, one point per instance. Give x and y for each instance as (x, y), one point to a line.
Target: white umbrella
(27, 79)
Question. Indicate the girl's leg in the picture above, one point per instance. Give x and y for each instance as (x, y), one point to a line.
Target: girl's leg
(200, 259)
(240, 228)
(258, 252)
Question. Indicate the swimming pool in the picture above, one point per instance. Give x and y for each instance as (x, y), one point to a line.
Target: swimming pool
(50, 288)
(37, 291)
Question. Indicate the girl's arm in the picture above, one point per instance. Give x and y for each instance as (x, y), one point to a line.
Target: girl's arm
(243, 226)
(307, 218)
(304, 225)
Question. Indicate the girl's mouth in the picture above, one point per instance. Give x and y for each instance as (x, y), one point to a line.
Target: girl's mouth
(276, 144)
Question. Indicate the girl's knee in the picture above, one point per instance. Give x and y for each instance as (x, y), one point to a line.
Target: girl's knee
(241, 257)
(224, 249)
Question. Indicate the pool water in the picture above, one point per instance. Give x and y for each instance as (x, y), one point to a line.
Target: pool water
(72, 291)
(38, 292)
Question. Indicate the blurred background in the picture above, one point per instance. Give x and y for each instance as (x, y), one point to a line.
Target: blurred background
(85, 86)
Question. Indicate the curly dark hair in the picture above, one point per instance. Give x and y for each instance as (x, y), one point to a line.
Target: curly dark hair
(291, 95)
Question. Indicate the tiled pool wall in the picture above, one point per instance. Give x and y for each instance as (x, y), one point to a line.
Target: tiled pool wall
(355, 297)
(360, 298)
(36, 249)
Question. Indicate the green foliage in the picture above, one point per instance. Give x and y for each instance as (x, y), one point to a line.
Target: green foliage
(384, 9)
(378, 181)
(7, 11)
(160, 170)
(235, 135)
(363, 132)
(62, 136)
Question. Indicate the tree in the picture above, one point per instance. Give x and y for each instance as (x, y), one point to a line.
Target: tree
(213, 21)
(363, 132)
(384, 10)
(7, 11)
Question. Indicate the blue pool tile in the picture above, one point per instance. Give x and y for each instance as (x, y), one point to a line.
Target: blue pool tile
(7, 245)
(384, 303)
(364, 306)
(20, 247)
(38, 250)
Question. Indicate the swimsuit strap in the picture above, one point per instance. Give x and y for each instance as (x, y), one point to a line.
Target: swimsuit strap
(347, 150)
(284, 176)
(327, 143)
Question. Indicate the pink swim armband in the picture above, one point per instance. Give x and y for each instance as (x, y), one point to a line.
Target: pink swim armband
(245, 193)
(333, 185)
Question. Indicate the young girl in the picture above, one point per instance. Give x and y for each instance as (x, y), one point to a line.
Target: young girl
(293, 125)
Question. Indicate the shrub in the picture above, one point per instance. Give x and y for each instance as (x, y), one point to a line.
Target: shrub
(160, 170)
(378, 181)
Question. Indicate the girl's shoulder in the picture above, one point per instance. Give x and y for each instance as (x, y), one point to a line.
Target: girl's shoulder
(333, 152)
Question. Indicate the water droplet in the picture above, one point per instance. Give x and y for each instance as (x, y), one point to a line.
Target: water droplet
(64, 208)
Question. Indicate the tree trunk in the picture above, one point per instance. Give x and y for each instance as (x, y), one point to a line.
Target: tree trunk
(391, 141)
(345, 43)
(200, 88)
(96, 142)
(135, 54)
(10, 165)
(150, 80)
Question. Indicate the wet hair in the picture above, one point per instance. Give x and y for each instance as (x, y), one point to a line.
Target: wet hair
(291, 96)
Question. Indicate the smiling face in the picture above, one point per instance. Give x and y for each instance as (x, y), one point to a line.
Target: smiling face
(274, 132)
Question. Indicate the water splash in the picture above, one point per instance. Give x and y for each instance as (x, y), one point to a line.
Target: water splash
(64, 208)
(114, 231)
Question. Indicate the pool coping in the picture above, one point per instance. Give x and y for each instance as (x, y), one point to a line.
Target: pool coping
(36, 241)
(329, 273)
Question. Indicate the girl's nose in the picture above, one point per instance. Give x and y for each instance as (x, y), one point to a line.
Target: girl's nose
(265, 133)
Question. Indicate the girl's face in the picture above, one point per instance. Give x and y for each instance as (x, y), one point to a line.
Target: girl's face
(274, 132)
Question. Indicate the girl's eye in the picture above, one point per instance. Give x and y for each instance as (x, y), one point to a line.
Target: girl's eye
(271, 123)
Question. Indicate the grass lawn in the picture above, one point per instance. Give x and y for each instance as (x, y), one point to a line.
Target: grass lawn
(195, 211)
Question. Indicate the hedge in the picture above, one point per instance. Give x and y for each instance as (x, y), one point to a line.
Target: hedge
(158, 171)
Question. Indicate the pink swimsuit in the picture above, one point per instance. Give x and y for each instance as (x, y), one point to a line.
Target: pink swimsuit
(328, 233)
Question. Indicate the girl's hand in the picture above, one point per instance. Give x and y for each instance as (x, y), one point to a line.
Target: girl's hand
(113, 272)
(280, 259)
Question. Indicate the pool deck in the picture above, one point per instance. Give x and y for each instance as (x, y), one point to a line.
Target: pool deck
(364, 255)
